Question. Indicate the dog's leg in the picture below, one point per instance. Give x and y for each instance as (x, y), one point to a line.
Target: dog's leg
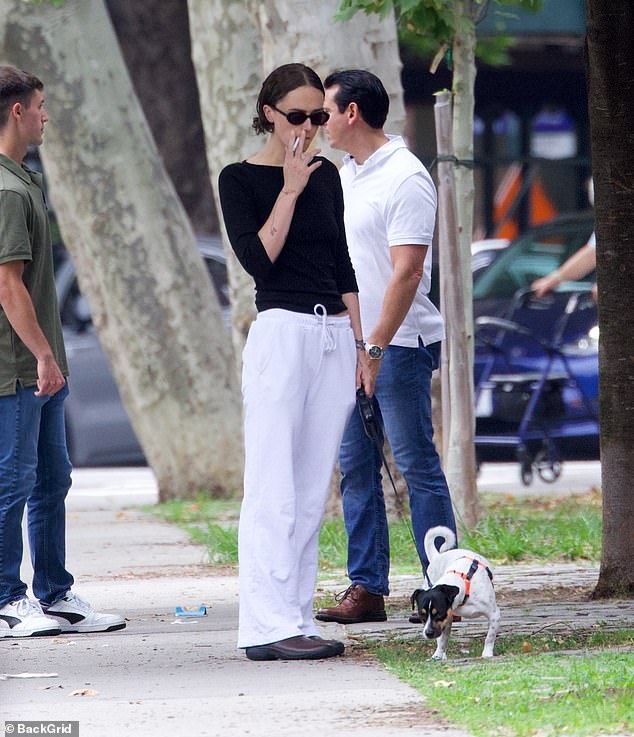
(441, 647)
(494, 625)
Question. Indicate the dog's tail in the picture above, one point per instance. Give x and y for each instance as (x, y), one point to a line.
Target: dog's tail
(449, 541)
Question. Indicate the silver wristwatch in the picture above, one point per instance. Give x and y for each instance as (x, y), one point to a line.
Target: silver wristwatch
(376, 352)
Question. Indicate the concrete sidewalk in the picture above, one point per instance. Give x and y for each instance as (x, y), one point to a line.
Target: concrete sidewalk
(166, 676)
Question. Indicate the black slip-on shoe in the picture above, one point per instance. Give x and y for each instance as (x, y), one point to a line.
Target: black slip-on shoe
(337, 645)
(293, 648)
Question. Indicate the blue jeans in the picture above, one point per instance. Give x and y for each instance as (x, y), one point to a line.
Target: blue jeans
(34, 472)
(402, 401)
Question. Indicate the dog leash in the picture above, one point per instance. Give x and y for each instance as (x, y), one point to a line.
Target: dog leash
(374, 431)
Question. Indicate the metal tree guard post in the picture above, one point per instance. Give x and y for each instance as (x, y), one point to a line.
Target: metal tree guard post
(457, 402)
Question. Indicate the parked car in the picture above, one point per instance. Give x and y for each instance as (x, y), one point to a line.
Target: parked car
(98, 429)
(484, 253)
(532, 255)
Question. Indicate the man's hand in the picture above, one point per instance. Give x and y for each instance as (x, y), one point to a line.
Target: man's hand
(366, 372)
(49, 377)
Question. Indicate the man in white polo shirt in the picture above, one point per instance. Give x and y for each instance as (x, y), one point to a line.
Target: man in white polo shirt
(390, 211)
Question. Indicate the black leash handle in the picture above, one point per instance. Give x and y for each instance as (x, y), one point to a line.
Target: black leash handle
(374, 430)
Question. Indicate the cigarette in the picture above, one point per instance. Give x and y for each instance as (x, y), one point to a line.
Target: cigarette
(296, 144)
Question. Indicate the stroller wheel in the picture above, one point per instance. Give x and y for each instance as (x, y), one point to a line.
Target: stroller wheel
(548, 468)
(526, 474)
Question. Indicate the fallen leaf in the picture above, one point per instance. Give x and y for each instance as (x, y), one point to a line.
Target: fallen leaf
(444, 684)
(526, 647)
(83, 692)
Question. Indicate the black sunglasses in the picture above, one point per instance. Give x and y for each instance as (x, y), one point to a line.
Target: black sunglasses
(297, 117)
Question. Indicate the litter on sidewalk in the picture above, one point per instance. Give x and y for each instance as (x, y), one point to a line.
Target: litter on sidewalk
(200, 611)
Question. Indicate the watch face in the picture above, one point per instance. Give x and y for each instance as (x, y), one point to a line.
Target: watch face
(375, 351)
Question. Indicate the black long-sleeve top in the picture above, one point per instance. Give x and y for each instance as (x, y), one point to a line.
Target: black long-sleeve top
(314, 266)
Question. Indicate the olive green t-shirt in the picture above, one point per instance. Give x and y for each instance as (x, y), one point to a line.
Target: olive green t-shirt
(25, 236)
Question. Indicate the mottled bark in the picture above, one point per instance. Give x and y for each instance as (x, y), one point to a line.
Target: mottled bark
(312, 37)
(227, 58)
(610, 56)
(154, 40)
(153, 305)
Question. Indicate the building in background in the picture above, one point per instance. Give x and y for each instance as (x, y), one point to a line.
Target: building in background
(532, 137)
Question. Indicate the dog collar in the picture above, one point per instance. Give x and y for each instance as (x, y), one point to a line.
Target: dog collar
(475, 564)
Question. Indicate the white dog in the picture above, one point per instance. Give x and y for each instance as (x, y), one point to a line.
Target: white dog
(462, 586)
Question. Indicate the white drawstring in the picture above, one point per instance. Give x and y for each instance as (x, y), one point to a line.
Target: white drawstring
(327, 338)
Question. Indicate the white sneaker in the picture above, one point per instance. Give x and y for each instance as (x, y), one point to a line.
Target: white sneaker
(25, 618)
(76, 615)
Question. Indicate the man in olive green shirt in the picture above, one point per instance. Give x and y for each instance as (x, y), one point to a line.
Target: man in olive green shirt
(34, 465)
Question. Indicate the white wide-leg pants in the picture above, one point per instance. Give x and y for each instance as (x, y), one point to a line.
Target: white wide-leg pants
(298, 387)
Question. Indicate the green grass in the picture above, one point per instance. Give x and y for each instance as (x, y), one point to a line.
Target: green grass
(524, 695)
(209, 522)
(511, 530)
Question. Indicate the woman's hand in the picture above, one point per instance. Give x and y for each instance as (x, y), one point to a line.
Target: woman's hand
(546, 284)
(297, 165)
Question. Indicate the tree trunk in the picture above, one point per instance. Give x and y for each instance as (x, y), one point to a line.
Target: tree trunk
(153, 305)
(457, 395)
(154, 40)
(227, 59)
(610, 56)
(459, 461)
(312, 36)
(463, 88)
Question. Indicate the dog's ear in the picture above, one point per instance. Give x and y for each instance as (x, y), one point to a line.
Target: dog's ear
(414, 598)
(449, 591)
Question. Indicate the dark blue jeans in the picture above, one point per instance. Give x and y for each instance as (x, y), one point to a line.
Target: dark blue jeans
(402, 401)
(34, 472)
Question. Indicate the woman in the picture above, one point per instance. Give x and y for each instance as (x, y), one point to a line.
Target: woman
(283, 209)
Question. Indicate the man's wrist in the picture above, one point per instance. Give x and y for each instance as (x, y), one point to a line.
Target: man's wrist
(376, 352)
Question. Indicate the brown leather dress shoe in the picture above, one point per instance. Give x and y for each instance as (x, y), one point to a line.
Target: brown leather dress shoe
(295, 648)
(356, 604)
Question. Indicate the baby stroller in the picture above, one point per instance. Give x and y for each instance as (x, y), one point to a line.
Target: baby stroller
(528, 400)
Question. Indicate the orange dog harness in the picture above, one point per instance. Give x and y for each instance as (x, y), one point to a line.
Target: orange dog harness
(470, 573)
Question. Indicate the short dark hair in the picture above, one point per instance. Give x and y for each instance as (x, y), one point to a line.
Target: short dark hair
(15, 86)
(363, 88)
(277, 85)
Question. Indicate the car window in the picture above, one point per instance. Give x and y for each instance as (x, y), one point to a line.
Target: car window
(530, 257)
